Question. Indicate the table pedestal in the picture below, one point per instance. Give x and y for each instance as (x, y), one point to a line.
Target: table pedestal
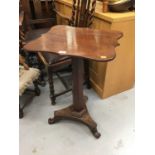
(78, 110)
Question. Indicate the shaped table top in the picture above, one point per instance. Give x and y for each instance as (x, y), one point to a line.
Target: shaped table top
(87, 43)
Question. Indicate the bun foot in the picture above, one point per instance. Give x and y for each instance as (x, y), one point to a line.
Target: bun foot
(53, 100)
(96, 134)
(53, 103)
(51, 121)
(21, 115)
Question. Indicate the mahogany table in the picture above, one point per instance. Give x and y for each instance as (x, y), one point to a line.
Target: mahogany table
(79, 43)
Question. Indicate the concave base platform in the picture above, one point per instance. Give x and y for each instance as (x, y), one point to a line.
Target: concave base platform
(81, 116)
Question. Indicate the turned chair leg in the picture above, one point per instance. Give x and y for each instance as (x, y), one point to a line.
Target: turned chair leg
(21, 113)
(41, 80)
(51, 86)
(36, 88)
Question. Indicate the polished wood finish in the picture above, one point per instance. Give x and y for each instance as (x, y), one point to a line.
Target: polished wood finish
(96, 45)
(71, 43)
(113, 77)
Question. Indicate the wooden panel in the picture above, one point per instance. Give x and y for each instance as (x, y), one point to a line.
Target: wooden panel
(38, 9)
(100, 24)
(120, 73)
(97, 74)
(66, 10)
(47, 7)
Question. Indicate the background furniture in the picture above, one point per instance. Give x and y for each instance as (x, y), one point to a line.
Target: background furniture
(38, 14)
(114, 77)
(27, 33)
(39, 17)
(79, 47)
(27, 77)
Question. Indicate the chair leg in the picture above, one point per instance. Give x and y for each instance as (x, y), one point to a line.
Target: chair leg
(41, 80)
(87, 76)
(21, 113)
(36, 88)
(51, 86)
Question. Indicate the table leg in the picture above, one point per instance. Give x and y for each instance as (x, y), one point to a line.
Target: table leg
(78, 110)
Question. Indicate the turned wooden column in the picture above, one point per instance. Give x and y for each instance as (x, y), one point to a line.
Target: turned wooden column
(78, 98)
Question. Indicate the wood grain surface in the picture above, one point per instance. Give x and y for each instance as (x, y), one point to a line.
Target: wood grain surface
(88, 43)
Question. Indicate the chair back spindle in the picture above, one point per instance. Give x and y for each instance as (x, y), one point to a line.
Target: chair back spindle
(82, 13)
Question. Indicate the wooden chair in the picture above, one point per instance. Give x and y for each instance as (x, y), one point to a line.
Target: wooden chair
(27, 76)
(82, 16)
(39, 17)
